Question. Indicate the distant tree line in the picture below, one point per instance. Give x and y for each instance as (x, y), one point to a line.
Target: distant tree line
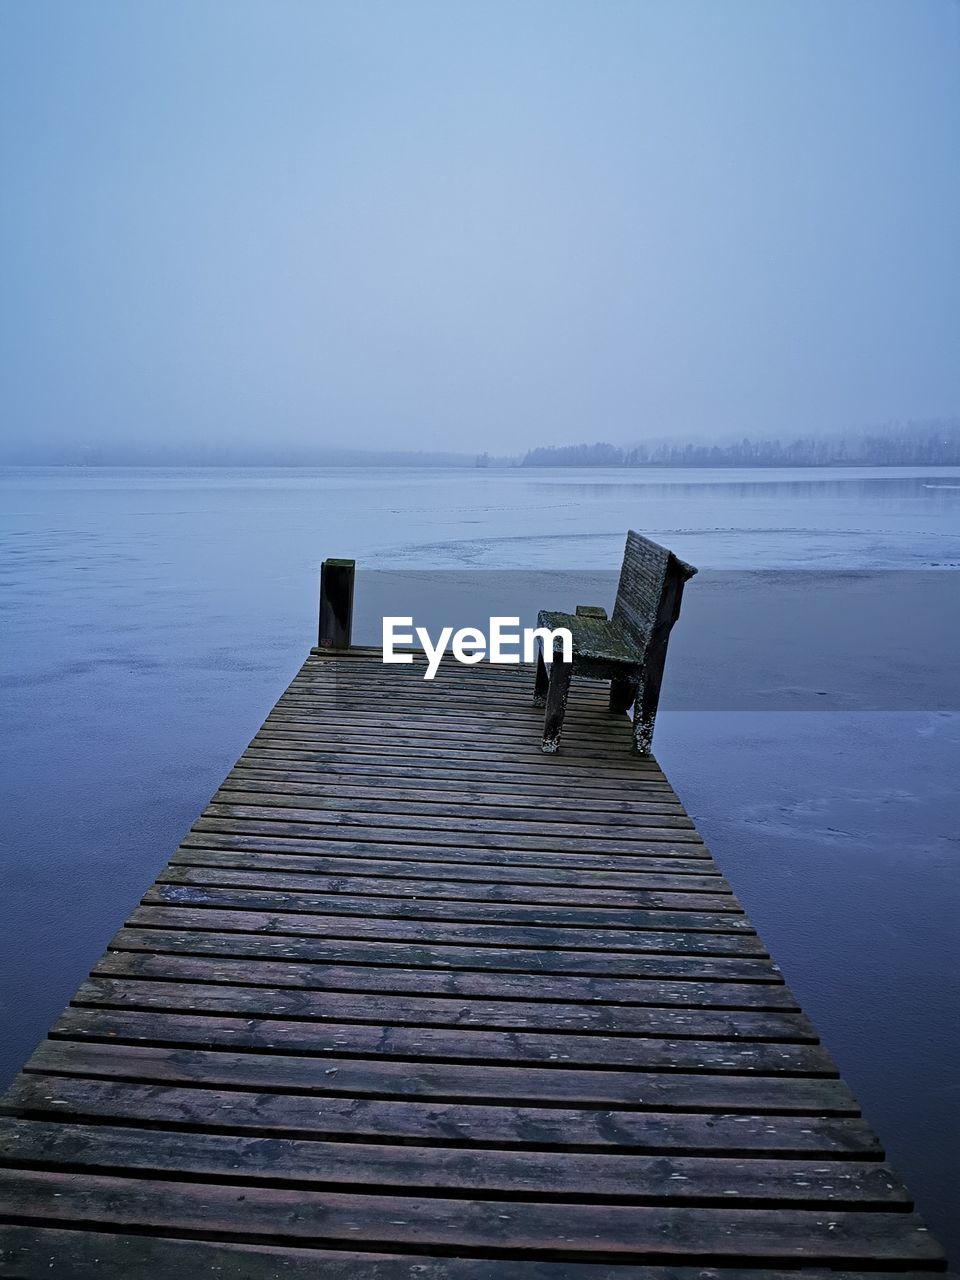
(225, 454)
(927, 445)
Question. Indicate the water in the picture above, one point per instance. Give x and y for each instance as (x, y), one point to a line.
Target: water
(152, 617)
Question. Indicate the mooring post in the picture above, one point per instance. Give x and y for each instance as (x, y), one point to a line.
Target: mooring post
(336, 603)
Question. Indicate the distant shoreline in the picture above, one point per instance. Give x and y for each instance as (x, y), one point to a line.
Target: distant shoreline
(932, 443)
(467, 464)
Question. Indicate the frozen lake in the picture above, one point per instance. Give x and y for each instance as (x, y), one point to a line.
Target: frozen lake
(152, 617)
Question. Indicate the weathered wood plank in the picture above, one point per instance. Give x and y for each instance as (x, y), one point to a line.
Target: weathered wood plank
(206, 914)
(147, 959)
(287, 794)
(604, 923)
(444, 785)
(95, 1255)
(383, 1009)
(249, 805)
(435, 746)
(268, 822)
(625, 1233)
(278, 879)
(542, 964)
(529, 1086)
(644, 856)
(456, 870)
(601, 783)
(444, 1123)
(592, 760)
(274, 1035)
(608, 1178)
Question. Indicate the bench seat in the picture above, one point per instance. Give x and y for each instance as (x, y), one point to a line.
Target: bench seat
(596, 637)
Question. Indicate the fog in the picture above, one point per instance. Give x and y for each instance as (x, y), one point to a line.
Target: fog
(475, 225)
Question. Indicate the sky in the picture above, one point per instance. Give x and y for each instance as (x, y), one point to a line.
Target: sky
(485, 224)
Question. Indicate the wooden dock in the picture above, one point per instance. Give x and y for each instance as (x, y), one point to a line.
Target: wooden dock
(413, 1001)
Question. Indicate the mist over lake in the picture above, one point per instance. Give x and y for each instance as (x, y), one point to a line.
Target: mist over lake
(152, 618)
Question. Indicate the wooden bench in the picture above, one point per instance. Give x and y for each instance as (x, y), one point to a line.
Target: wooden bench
(629, 649)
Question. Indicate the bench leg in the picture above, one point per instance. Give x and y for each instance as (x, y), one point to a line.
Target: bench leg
(542, 682)
(623, 693)
(644, 715)
(560, 673)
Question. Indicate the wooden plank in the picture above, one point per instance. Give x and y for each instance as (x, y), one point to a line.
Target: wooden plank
(440, 1044)
(338, 711)
(602, 783)
(492, 731)
(490, 1084)
(436, 746)
(711, 972)
(645, 857)
(603, 923)
(607, 1178)
(444, 698)
(443, 704)
(625, 1233)
(486, 985)
(203, 913)
(277, 879)
(445, 784)
(502, 723)
(361, 769)
(709, 881)
(97, 1255)
(355, 689)
(290, 794)
(384, 1009)
(249, 805)
(447, 687)
(443, 1123)
(267, 822)
(455, 1171)
(588, 764)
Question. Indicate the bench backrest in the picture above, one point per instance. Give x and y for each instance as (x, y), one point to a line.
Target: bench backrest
(650, 588)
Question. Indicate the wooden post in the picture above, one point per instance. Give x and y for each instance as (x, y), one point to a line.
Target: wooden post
(336, 603)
